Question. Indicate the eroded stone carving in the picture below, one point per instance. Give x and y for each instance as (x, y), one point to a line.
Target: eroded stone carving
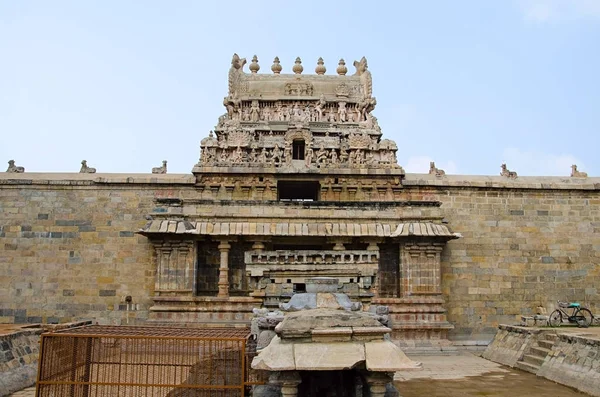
(160, 170)
(433, 170)
(14, 168)
(85, 169)
(507, 173)
(577, 174)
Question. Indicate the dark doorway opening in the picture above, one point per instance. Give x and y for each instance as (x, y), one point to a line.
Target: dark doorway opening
(298, 149)
(298, 190)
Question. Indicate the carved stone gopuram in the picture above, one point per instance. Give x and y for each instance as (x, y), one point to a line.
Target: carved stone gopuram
(298, 123)
(296, 182)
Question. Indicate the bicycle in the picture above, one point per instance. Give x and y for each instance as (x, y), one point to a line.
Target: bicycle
(582, 316)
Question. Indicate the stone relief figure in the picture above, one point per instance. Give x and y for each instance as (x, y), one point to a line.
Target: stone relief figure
(266, 114)
(577, 174)
(85, 169)
(235, 73)
(238, 156)
(14, 168)
(433, 170)
(296, 112)
(287, 153)
(308, 156)
(507, 173)
(276, 155)
(334, 157)
(160, 170)
(365, 77)
(254, 111)
(321, 155)
(320, 106)
(224, 156)
(342, 111)
(262, 158)
(344, 155)
(253, 156)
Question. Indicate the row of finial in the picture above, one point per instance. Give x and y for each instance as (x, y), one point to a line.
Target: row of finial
(298, 68)
(84, 168)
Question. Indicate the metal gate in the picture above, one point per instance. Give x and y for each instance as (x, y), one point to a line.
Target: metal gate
(145, 361)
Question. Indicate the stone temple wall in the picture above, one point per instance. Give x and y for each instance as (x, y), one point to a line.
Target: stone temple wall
(68, 248)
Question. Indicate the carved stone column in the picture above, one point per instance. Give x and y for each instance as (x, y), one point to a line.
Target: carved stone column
(224, 248)
(377, 382)
(288, 380)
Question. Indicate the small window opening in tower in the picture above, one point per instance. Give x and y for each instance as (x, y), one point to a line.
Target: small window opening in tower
(298, 190)
(298, 149)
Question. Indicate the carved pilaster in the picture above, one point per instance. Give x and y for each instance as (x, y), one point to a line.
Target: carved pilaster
(174, 267)
(224, 248)
(421, 268)
(377, 382)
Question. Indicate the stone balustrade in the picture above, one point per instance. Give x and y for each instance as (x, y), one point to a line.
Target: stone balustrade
(311, 257)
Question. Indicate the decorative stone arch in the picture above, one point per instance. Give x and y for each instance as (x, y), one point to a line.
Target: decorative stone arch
(304, 135)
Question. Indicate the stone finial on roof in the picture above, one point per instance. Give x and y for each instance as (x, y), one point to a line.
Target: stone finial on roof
(298, 68)
(276, 67)
(342, 69)
(434, 170)
(85, 169)
(320, 69)
(254, 66)
(506, 172)
(577, 174)
(13, 168)
(160, 170)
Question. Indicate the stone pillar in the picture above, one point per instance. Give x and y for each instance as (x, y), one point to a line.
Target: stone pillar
(288, 380)
(377, 382)
(224, 247)
(258, 246)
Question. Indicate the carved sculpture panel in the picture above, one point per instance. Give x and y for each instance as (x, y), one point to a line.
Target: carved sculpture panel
(330, 116)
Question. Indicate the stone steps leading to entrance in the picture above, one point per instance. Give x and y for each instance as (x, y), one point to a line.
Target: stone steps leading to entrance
(532, 361)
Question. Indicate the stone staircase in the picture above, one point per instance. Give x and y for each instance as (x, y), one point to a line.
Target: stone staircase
(533, 360)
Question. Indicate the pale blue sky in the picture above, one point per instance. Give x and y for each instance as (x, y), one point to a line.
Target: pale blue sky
(469, 84)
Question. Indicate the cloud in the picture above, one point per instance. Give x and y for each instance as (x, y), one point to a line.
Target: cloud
(540, 164)
(546, 11)
(420, 165)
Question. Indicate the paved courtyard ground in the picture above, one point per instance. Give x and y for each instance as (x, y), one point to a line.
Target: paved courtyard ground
(463, 375)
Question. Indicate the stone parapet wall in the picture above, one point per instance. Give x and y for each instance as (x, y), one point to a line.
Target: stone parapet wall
(18, 359)
(69, 248)
(511, 343)
(574, 361)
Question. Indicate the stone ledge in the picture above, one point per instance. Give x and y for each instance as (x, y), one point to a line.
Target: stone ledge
(499, 182)
(81, 179)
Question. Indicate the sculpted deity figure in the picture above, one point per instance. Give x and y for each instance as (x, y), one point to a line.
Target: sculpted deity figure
(331, 118)
(224, 156)
(342, 111)
(320, 106)
(308, 156)
(296, 112)
(254, 111)
(343, 155)
(287, 153)
(253, 155)
(276, 155)
(238, 156)
(366, 81)
(321, 155)
(262, 158)
(334, 156)
(266, 114)
(235, 73)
